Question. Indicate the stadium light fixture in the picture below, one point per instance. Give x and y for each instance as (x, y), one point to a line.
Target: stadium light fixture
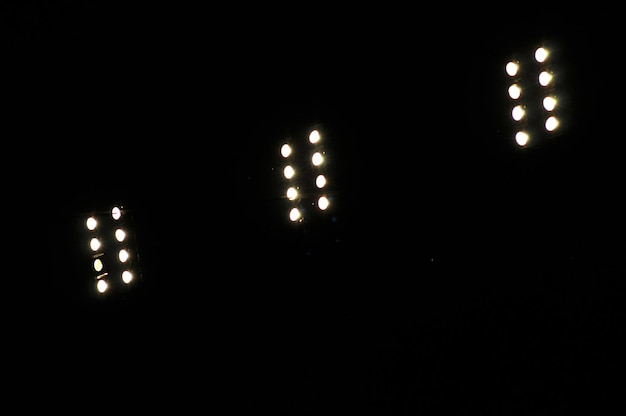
(114, 255)
(305, 174)
(533, 95)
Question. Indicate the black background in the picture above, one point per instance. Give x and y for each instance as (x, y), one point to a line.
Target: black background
(438, 296)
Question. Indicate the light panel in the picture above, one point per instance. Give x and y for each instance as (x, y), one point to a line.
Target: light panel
(532, 93)
(114, 258)
(305, 174)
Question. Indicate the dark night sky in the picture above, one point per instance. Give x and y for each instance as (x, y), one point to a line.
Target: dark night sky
(437, 310)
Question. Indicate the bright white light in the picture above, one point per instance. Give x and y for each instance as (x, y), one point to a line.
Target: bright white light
(123, 255)
(515, 91)
(545, 78)
(102, 286)
(320, 181)
(512, 68)
(91, 223)
(98, 265)
(317, 159)
(116, 213)
(323, 203)
(127, 276)
(295, 214)
(549, 103)
(518, 112)
(285, 150)
(314, 136)
(292, 193)
(521, 138)
(541, 54)
(289, 171)
(552, 123)
(94, 244)
(120, 235)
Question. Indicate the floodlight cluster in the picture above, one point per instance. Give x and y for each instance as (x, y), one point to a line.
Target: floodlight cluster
(306, 178)
(114, 260)
(532, 92)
